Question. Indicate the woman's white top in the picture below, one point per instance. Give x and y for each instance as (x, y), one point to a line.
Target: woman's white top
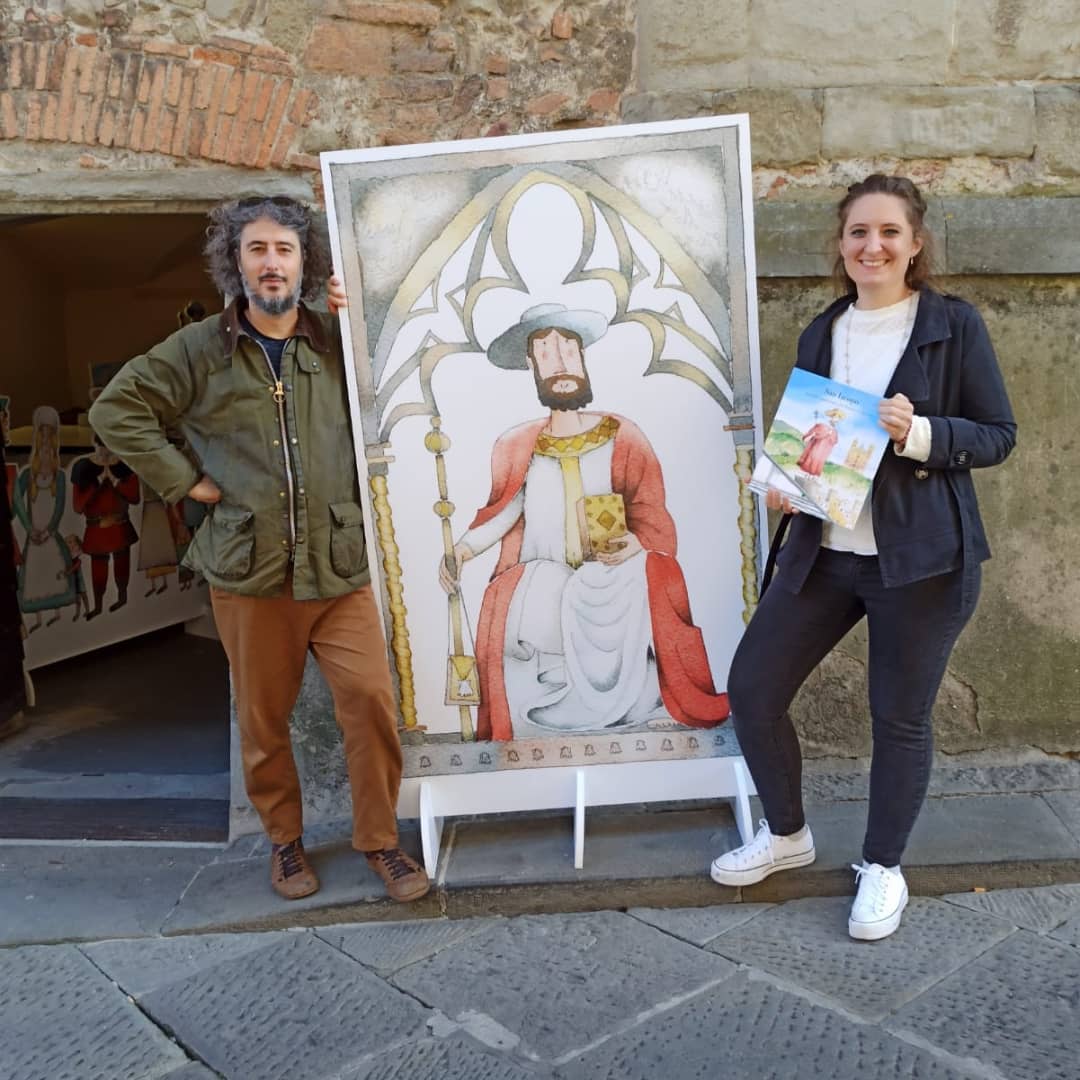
(866, 347)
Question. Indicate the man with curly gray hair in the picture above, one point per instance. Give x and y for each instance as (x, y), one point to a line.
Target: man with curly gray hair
(259, 394)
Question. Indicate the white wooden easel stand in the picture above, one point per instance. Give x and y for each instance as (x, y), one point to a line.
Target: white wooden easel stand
(436, 798)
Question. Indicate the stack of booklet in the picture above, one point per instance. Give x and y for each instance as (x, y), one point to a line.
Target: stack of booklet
(823, 448)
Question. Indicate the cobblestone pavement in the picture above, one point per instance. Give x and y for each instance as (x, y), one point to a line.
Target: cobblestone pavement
(973, 985)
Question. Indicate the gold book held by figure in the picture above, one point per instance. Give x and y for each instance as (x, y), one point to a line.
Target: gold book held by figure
(602, 521)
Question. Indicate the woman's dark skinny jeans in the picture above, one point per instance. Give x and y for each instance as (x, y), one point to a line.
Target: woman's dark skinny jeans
(912, 630)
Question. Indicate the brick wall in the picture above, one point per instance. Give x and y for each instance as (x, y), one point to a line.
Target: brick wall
(269, 83)
(228, 100)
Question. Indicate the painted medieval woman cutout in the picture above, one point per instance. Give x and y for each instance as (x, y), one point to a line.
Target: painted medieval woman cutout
(41, 492)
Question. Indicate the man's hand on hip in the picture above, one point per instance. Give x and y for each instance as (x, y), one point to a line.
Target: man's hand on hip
(205, 491)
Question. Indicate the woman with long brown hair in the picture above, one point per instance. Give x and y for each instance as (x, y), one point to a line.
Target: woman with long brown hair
(910, 565)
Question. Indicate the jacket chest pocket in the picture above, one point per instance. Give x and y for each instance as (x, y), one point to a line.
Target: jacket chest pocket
(309, 362)
(230, 542)
(346, 539)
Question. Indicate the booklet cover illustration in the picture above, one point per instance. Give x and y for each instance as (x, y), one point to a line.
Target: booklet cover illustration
(823, 447)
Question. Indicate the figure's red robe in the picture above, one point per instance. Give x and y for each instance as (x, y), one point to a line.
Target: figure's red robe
(819, 442)
(686, 684)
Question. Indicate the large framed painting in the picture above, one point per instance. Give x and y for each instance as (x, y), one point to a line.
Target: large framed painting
(556, 400)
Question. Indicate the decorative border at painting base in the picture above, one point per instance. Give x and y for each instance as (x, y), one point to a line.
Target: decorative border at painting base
(600, 748)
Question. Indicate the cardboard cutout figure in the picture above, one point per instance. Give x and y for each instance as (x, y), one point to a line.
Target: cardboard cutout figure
(40, 498)
(105, 488)
(157, 542)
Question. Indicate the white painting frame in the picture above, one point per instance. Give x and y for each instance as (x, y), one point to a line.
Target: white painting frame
(366, 245)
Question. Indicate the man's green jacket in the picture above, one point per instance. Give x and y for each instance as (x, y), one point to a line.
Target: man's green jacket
(281, 451)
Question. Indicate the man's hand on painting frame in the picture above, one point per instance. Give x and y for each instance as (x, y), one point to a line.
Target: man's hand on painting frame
(336, 298)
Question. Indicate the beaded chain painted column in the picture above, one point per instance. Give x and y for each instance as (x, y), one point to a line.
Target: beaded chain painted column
(399, 633)
(744, 466)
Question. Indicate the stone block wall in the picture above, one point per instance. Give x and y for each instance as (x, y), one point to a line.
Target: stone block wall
(979, 101)
(159, 104)
(972, 96)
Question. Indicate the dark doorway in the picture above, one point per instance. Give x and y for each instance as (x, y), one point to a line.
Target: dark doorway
(128, 733)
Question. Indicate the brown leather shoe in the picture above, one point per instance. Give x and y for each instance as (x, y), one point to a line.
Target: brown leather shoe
(290, 872)
(405, 878)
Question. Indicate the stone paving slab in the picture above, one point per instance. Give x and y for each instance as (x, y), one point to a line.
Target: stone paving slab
(194, 1071)
(79, 893)
(748, 1028)
(455, 1058)
(989, 829)
(243, 847)
(388, 947)
(1040, 910)
(294, 1010)
(825, 780)
(143, 965)
(976, 829)
(236, 894)
(1067, 807)
(1068, 932)
(63, 1020)
(516, 865)
(329, 834)
(559, 982)
(806, 943)
(698, 926)
(1017, 1007)
(617, 846)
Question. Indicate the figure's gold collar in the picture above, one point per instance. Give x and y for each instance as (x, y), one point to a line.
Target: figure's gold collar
(575, 445)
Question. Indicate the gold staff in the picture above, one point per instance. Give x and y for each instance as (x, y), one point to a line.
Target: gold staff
(462, 681)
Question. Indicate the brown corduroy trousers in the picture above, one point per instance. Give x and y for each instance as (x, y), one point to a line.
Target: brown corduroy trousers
(267, 640)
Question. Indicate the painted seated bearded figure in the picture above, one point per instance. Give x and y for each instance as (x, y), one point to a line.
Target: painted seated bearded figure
(586, 622)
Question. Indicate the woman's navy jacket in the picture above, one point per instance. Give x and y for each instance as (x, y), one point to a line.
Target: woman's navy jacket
(926, 518)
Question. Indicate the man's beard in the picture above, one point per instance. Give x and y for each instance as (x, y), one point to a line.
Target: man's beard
(272, 305)
(566, 400)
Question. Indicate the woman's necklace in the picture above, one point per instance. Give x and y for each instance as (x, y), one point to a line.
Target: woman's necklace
(909, 325)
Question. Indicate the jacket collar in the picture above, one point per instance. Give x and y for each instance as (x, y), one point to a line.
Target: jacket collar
(306, 327)
(910, 377)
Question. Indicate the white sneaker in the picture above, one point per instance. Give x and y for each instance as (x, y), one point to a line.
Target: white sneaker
(764, 855)
(879, 903)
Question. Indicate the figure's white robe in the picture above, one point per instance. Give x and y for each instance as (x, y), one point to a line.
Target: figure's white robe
(578, 645)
